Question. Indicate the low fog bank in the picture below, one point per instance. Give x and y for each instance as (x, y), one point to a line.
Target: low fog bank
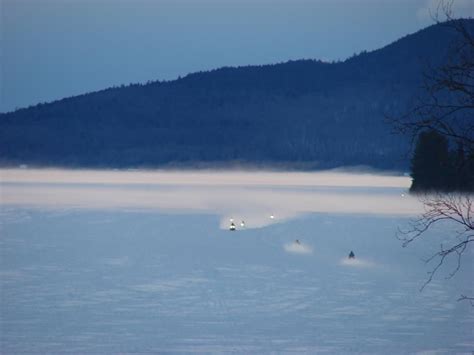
(337, 177)
(251, 199)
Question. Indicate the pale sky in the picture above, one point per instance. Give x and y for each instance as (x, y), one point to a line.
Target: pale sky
(52, 49)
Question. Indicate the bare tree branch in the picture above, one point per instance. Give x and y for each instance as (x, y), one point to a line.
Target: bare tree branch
(453, 208)
(445, 106)
(465, 298)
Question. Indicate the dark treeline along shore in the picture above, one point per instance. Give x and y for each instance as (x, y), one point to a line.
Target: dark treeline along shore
(310, 113)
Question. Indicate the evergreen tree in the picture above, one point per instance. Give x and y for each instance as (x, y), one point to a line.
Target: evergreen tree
(431, 168)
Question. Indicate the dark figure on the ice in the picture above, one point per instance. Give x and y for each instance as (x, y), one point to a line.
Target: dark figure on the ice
(351, 255)
(297, 241)
(232, 226)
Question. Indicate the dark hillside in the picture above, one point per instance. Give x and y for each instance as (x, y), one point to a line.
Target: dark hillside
(321, 114)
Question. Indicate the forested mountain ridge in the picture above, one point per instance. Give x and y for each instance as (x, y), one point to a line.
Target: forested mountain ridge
(308, 112)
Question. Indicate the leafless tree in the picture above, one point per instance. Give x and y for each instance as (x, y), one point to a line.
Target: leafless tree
(446, 106)
(454, 208)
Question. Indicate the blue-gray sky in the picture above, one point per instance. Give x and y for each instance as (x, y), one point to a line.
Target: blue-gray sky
(52, 49)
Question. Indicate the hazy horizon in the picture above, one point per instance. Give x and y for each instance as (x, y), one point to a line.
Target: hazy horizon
(259, 198)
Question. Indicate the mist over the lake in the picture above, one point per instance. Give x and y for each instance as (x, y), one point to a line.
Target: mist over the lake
(250, 196)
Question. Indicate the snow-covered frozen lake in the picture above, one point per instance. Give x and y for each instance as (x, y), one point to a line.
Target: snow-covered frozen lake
(107, 262)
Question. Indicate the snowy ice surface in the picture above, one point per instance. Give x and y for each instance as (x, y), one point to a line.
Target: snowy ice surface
(357, 262)
(120, 277)
(298, 248)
